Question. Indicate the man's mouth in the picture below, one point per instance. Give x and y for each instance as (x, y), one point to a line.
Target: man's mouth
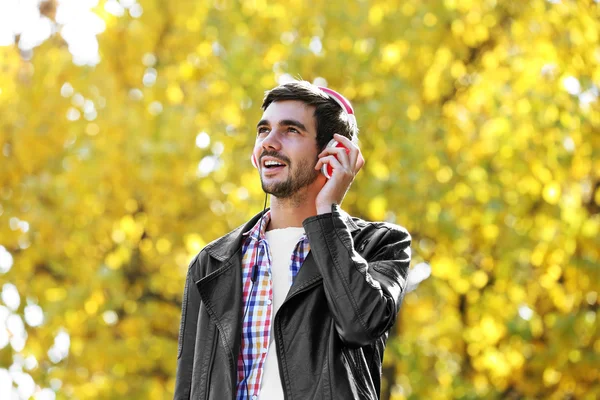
(273, 165)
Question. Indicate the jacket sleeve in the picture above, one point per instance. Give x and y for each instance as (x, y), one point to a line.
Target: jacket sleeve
(187, 335)
(364, 296)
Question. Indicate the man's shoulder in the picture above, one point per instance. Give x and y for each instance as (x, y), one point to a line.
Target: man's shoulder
(383, 226)
(232, 234)
(226, 245)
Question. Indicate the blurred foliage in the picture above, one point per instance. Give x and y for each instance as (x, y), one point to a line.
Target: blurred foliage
(479, 122)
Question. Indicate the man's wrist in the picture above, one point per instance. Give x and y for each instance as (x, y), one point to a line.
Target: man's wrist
(324, 208)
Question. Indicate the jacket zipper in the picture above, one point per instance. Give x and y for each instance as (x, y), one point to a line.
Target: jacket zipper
(363, 245)
(210, 364)
(183, 320)
(356, 369)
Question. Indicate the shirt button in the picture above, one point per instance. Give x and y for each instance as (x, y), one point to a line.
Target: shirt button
(254, 397)
(264, 349)
(269, 302)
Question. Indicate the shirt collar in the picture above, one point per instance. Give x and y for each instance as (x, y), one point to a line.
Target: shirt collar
(260, 229)
(257, 232)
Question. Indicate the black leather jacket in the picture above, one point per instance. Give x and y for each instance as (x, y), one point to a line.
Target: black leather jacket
(331, 330)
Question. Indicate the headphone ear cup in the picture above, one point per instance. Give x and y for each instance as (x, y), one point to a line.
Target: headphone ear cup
(254, 163)
(327, 169)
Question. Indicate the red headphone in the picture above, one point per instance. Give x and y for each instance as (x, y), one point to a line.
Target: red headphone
(344, 103)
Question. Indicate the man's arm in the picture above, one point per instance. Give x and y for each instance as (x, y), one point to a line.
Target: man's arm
(187, 335)
(363, 296)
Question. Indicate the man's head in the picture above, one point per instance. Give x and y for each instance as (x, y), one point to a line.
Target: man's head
(329, 117)
(299, 119)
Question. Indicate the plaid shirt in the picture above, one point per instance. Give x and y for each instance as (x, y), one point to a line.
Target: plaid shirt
(256, 328)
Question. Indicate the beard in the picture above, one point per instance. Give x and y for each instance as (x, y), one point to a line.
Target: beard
(303, 175)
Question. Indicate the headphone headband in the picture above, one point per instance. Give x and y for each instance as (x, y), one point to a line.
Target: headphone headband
(342, 101)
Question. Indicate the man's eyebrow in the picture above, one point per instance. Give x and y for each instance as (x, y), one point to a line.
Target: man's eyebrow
(292, 122)
(284, 122)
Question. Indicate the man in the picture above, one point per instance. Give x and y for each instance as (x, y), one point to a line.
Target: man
(296, 303)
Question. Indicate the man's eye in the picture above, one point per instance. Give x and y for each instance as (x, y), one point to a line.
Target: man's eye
(294, 130)
(262, 130)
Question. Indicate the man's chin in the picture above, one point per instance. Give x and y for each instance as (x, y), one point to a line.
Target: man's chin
(284, 188)
(273, 181)
(276, 189)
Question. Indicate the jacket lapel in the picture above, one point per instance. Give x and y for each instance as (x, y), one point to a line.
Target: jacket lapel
(221, 293)
(309, 272)
(221, 288)
(307, 275)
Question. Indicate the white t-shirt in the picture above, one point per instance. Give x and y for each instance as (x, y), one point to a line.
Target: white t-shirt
(282, 243)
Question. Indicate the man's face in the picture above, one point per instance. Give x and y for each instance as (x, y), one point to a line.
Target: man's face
(286, 149)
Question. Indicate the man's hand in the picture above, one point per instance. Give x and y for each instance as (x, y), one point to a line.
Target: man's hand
(345, 167)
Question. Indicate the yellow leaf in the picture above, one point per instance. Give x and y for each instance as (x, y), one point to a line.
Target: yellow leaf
(174, 94)
(551, 193)
(378, 208)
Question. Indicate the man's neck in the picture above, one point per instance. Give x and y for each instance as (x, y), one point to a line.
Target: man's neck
(286, 215)
(292, 211)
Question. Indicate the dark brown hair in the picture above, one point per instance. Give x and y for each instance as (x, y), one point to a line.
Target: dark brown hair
(329, 116)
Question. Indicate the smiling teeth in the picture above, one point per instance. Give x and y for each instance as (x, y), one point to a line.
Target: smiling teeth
(272, 163)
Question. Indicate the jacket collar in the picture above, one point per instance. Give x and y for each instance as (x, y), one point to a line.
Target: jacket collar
(226, 246)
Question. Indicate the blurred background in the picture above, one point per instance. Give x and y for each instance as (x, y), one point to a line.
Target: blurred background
(126, 129)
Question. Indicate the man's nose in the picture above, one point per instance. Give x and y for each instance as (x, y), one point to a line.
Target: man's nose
(271, 141)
